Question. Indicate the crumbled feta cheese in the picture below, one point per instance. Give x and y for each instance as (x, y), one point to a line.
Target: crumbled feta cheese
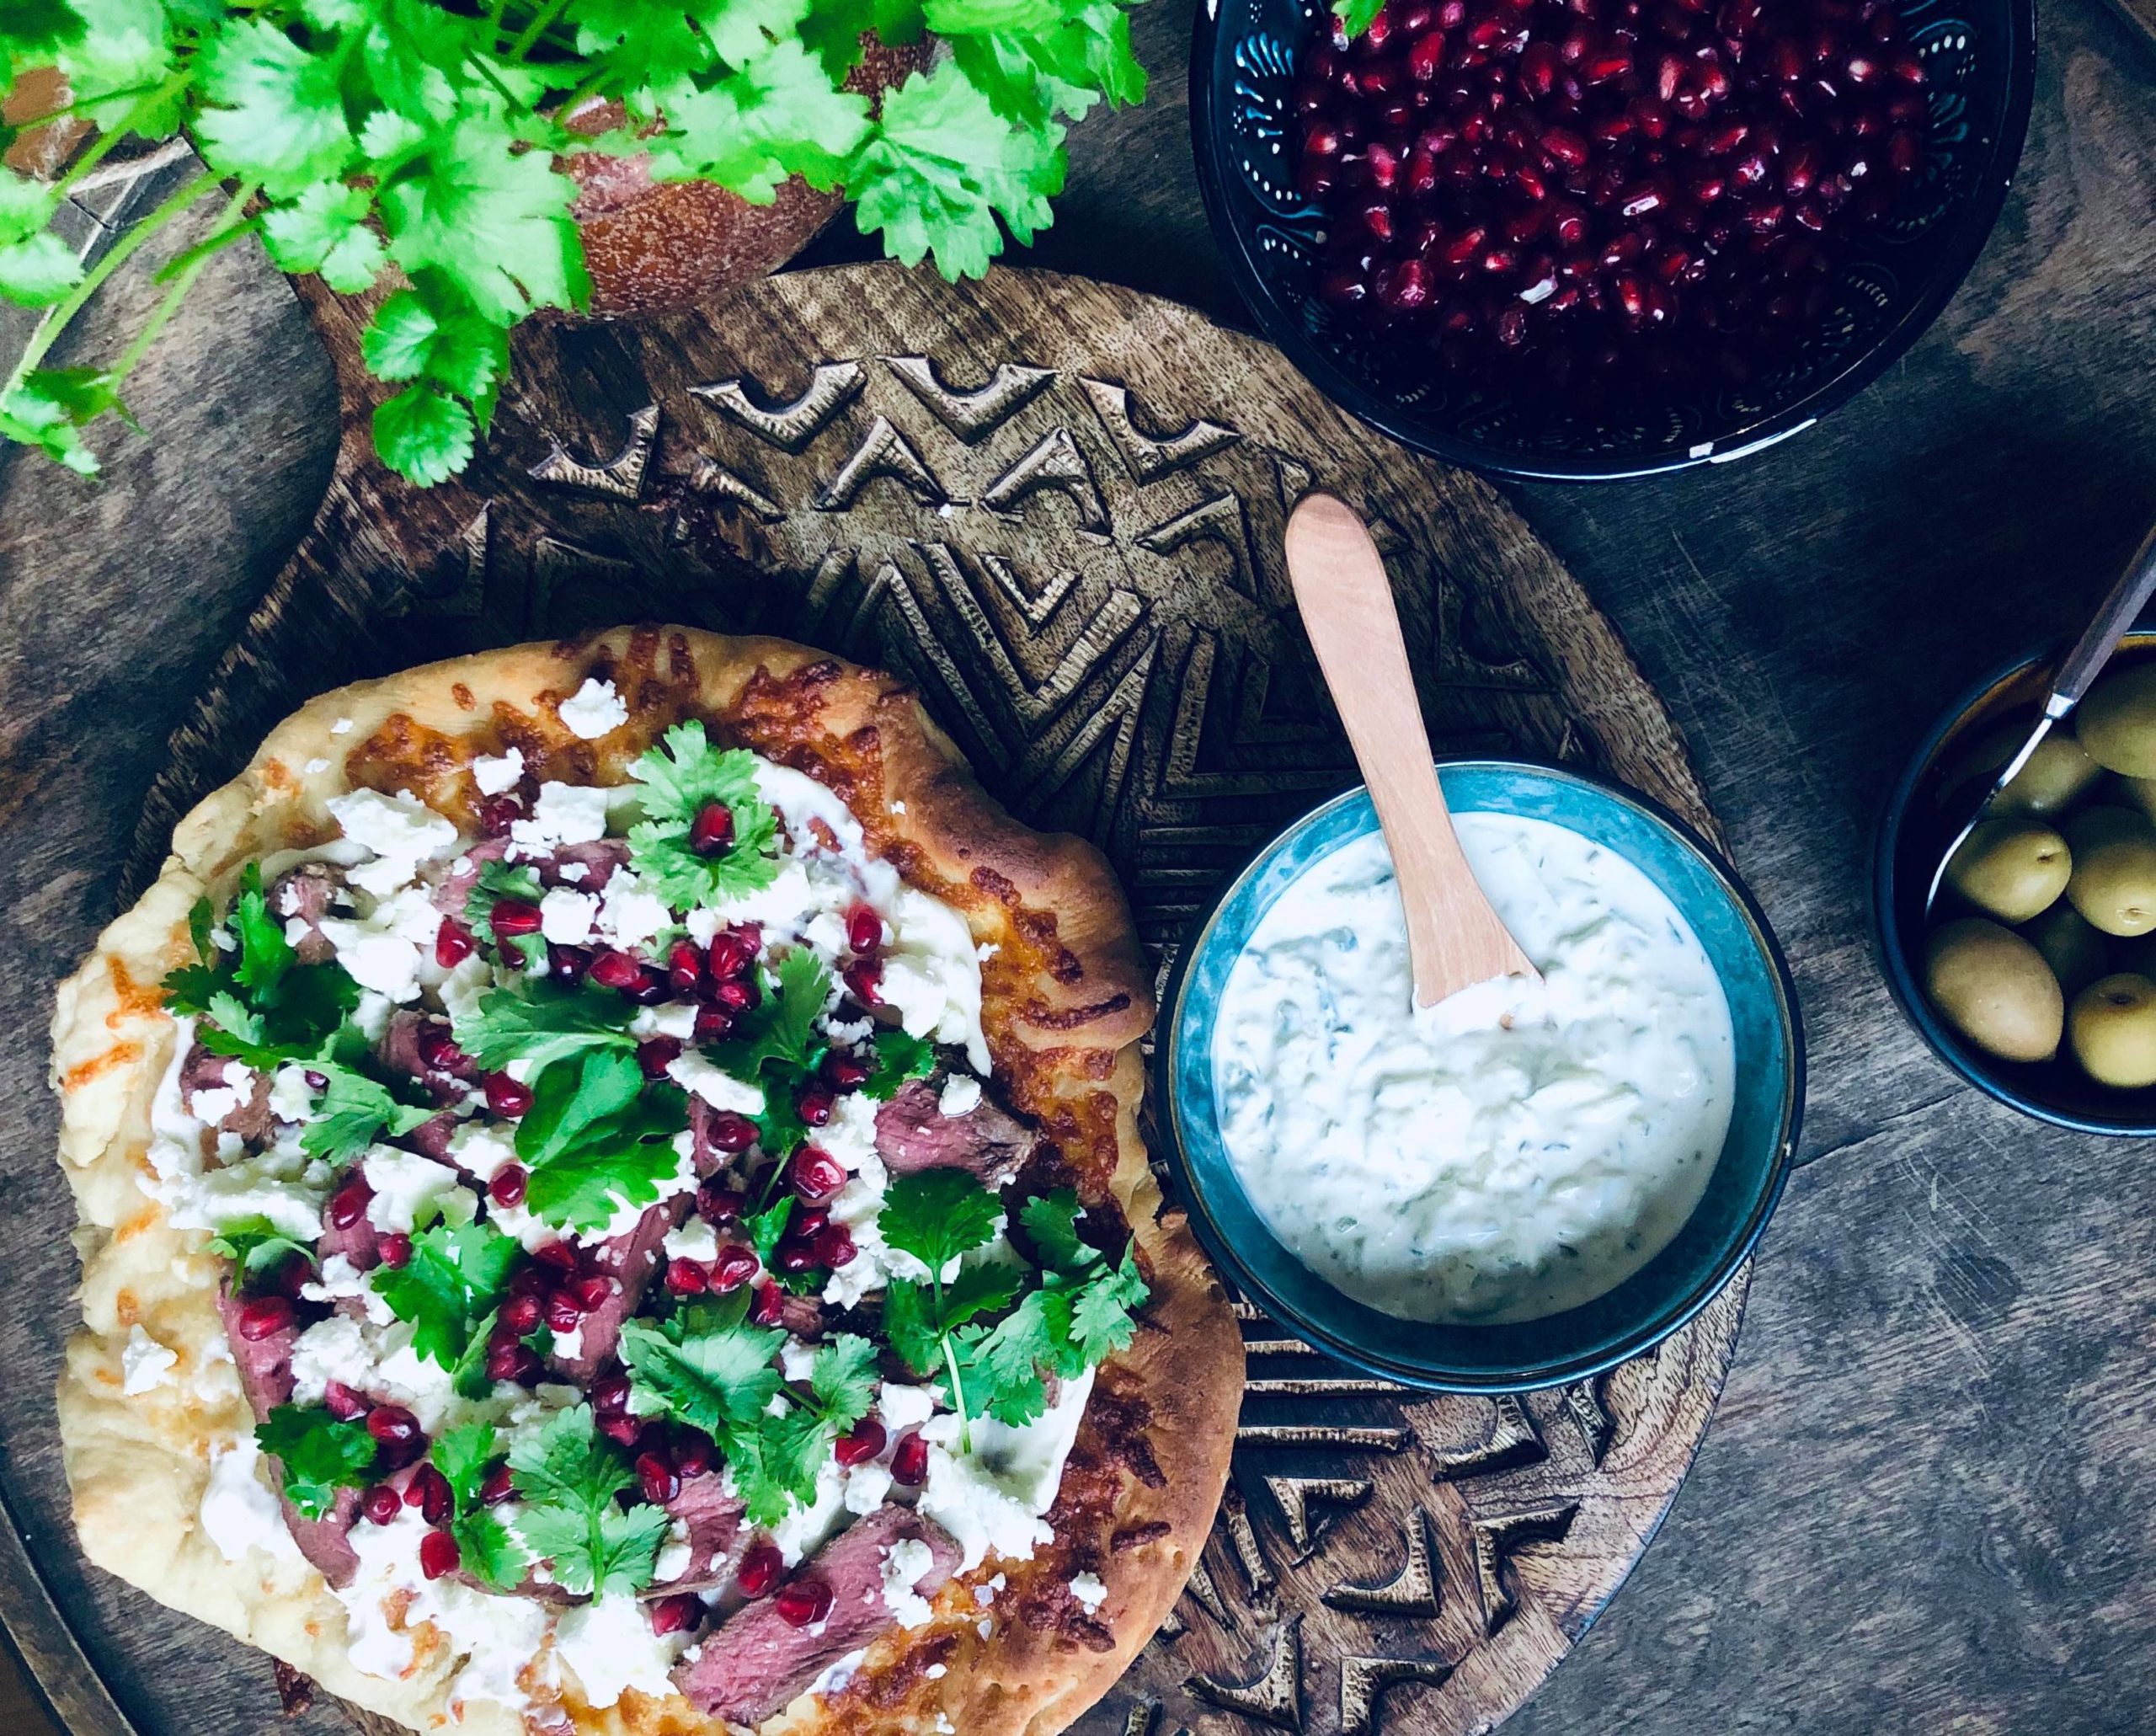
(632, 917)
(675, 1556)
(315, 767)
(696, 1240)
(496, 772)
(867, 1488)
(719, 1088)
(275, 1185)
(564, 813)
(905, 1407)
(332, 1350)
(212, 1105)
(401, 831)
(797, 1360)
(408, 1187)
(936, 1672)
(340, 1281)
(991, 1499)
(675, 1018)
(568, 1346)
(838, 1674)
(594, 710)
(565, 916)
(575, 872)
(387, 950)
(610, 1645)
(145, 1364)
(906, 1562)
(483, 1147)
(1090, 1591)
(238, 1511)
(803, 1529)
(961, 1095)
(292, 1098)
(931, 974)
(898, 807)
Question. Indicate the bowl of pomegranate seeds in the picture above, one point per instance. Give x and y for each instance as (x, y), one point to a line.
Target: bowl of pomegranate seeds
(1601, 238)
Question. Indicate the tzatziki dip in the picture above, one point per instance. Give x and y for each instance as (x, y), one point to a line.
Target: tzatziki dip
(1517, 1150)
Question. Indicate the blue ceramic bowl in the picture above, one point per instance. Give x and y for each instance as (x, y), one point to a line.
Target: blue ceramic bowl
(1915, 829)
(1666, 1292)
(1889, 285)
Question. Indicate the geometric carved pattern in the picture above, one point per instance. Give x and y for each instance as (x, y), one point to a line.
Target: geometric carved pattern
(1497, 1536)
(1055, 463)
(714, 479)
(882, 452)
(1413, 1591)
(1513, 1439)
(1235, 1517)
(1219, 518)
(1296, 1493)
(972, 414)
(789, 426)
(1583, 1403)
(1150, 459)
(1273, 1697)
(1363, 1680)
(622, 474)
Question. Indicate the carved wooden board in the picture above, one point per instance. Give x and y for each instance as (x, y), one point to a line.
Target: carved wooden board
(1057, 506)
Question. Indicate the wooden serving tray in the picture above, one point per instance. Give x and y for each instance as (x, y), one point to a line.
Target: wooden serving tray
(1057, 507)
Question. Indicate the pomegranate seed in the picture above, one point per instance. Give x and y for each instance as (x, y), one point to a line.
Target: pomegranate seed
(507, 1188)
(843, 1072)
(655, 1474)
(813, 1174)
(381, 1505)
(396, 1250)
(793, 1256)
(737, 994)
(760, 1569)
(695, 1456)
(733, 951)
(438, 1049)
(264, 1317)
(513, 918)
(863, 1443)
(718, 1203)
(349, 1203)
(521, 1315)
(711, 833)
(560, 1256)
(563, 1314)
(864, 926)
(609, 1395)
(909, 1462)
(685, 1278)
(834, 1245)
(863, 979)
(439, 1555)
(392, 1425)
(622, 1431)
(769, 1308)
(802, 1603)
(341, 1403)
(453, 944)
(595, 1292)
(506, 1097)
(498, 1486)
(613, 970)
(498, 813)
(515, 1363)
(654, 1055)
(714, 1024)
(428, 1492)
(567, 964)
(677, 1614)
(735, 1266)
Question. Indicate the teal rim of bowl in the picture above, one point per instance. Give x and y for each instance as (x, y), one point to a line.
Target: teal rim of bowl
(1680, 1280)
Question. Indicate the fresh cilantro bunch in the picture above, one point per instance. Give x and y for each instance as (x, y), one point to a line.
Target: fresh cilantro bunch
(416, 143)
(681, 777)
(709, 1366)
(446, 1292)
(255, 1000)
(568, 1475)
(1060, 1317)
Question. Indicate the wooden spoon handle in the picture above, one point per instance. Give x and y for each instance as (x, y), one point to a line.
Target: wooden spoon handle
(1454, 938)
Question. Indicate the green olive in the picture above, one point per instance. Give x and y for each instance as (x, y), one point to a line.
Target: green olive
(2011, 869)
(2138, 793)
(2076, 952)
(2113, 884)
(1994, 988)
(2116, 724)
(2113, 1030)
(2058, 775)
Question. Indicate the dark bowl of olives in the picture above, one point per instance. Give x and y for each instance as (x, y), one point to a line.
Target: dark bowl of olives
(2033, 975)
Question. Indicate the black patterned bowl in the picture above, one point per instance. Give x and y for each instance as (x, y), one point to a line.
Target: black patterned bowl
(1892, 282)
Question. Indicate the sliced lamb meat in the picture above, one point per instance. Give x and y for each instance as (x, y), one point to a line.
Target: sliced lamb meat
(264, 1364)
(802, 1316)
(630, 1260)
(249, 1117)
(754, 1663)
(717, 1539)
(914, 1134)
(456, 886)
(326, 1542)
(359, 1244)
(430, 1139)
(401, 1051)
(307, 892)
(598, 858)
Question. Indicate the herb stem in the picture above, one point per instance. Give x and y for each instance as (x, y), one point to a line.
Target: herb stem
(951, 1366)
(542, 20)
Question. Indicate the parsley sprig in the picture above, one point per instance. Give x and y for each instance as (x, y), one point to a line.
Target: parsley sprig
(569, 1476)
(417, 139)
(256, 1002)
(713, 1369)
(1065, 1314)
(681, 778)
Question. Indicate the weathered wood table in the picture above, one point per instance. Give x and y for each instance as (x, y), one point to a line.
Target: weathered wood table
(1924, 1503)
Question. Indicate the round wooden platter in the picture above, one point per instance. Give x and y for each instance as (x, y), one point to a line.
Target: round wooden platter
(1057, 507)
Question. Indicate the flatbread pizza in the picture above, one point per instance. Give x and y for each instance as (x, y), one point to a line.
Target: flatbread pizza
(611, 1201)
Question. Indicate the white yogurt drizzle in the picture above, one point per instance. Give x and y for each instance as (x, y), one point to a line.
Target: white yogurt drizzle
(1515, 1151)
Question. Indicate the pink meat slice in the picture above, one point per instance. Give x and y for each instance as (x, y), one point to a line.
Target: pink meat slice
(914, 1134)
(630, 1260)
(754, 1663)
(307, 892)
(399, 1051)
(204, 1070)
(718, 1540)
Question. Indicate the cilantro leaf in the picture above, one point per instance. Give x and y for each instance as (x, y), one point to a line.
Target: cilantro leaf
(937, 1215)
(766, 1227)
(412, 339)
(355, 1111)
(842, 1379)
(276, 114)
(234, 1017)
(898, 1058)
(325, 230)
(681, 777)
(569, 1476)
(424, 435)
(569, 1100)
(256, 1247)
(710, 1367)
(597, 1138)
(779, 115)
(320, 1455)
(1355, 15)
(1051, 1221)
(782, 1026)
(264, 954)
(775, 1467)
(541, 1023)
(38, 270)
(1101, 1312)
(455, 1273)
(462, 1455)
(1000, 1365)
